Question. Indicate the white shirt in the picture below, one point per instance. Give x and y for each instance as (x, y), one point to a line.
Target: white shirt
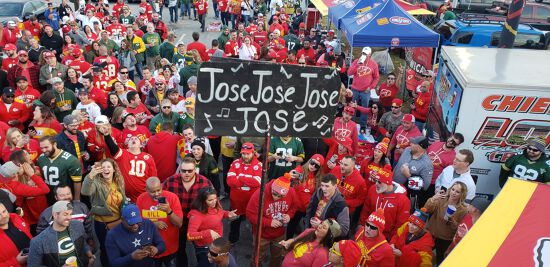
(92, 109)
(446, 179)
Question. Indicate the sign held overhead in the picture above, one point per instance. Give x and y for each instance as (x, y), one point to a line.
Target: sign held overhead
(242, 98)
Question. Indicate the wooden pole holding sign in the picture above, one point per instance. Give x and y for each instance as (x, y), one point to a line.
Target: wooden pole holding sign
(261, 99)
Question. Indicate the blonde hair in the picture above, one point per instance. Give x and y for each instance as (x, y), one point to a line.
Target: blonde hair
(10, 131)
(463, 192)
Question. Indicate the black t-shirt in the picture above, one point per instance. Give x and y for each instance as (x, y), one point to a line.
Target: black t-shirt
(19, 239)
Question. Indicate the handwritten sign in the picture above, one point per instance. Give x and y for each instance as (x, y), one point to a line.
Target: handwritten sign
(244, 98)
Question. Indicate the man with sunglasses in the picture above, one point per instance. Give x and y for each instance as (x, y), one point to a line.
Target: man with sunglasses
(375, 249)
(389, 196)
(442, 154)
(135, 241)
(388, 91)
(166, 115)
(152, 102)
(532, 165)
(15, 114)
(124, 78)
(219, 255)
(390, 121)
(186, 184)
(401, 139)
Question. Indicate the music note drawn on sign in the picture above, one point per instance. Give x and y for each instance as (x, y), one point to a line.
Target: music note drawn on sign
(283, 71)
(223, 113)
(334, 73)
(209, 128)
(238, 68)
(320, 122)
(323, 133)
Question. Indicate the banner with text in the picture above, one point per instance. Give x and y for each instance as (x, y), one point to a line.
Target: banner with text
(241, 98)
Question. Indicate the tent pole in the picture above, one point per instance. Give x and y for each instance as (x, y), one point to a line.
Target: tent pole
(350, 60)
(435, 56)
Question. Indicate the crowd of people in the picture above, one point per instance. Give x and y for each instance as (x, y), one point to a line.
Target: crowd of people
(102, 166)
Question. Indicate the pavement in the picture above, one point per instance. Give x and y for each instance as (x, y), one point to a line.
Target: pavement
(184, 28)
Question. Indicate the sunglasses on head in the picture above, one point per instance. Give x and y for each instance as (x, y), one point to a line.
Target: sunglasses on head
(247, 147)
(214, 254)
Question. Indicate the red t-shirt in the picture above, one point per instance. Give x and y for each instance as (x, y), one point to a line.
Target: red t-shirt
(201, 48)
(80, 65)
(140, 110)
(28, 96)
(387, 94)
(135, 169)
(9, 62)
(231, 49)
(141, 132)
(101, 83)
(148, 207)
(440, 158)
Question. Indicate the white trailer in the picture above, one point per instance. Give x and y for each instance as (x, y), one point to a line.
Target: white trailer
(497, 98)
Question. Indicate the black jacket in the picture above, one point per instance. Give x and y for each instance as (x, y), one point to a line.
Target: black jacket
(54, 43)
(65, 143)
(336, 208)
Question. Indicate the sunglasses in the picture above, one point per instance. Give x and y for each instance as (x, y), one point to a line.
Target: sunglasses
(315, 164)
(124, 72)
(187, 171)
(166, 107)
(372, 227)
(159, 83)
(247, 147)
(10, 96)
(395, 107)
(532, 149)
(214, 254)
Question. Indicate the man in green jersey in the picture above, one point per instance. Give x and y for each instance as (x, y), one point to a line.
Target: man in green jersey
(59, 168)
(531, 165)
(152, 43)
(285, 153)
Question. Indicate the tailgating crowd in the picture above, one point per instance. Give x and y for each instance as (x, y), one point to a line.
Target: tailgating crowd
(102, 166)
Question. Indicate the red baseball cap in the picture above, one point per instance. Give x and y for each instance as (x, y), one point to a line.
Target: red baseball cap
(409, 118)
(397, 102)
(10, 47)
(247, 148)
(48, 54)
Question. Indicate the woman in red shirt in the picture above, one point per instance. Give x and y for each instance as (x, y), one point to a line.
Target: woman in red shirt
(19, 237)
(16, 140)
(43, 123)
(370, 166)
(305, 180)
(205, 222)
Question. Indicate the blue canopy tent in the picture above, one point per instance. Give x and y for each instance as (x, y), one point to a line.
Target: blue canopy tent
(387, 25)
(350, 9)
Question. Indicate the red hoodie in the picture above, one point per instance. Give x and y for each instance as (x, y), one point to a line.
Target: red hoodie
(272, 209)
(343, 129)
(365, 76)
(421, 106)
(396, 206)
(31, 198)
(304, 191)
(17, 111)
(243, 179)
(414, 253)
(165, 159)
(9, 251)
(401, 139)
(333, 150)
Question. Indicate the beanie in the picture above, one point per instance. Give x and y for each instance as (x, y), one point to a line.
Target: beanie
(419, 218)
(384, 175)
(538, 143)
(9, 169)
(347, 143)
(281, 185)
(377, 219)
(198, 142)
(383, 145)
(351, 253)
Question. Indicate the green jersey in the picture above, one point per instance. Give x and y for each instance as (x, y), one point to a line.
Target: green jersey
(522, 168)
(292, 42)
(65, 245)
(154, 40)
(179, 60)
(167, 50)
(127, 20)
(65, 99)
(63, 170)
(293, 147)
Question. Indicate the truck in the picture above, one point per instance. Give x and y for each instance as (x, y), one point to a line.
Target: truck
(497, 98)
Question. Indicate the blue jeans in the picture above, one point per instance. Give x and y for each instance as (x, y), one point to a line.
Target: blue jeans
(419, 124)
(234, 21)
(362, 98)
(215, 7)
(185, 10)
(202, 256)
(245, 20)
(173, 14)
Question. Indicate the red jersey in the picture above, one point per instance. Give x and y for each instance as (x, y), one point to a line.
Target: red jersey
(80, 65)
(28, 96)
(243, 179)
(101, 83)
(201, 6)
(201, 48)
(99, 97)
(141, 132)
(116, 30)
(260, 37)
(117, 9)
(135, 169)
(421, 106)
(140, 111)
(231, 49)
(252, 28)
(149, 210)
(9, 62)
(387, 94)
(309, 55)
(148, 10)
(34, 28)
(111, 69)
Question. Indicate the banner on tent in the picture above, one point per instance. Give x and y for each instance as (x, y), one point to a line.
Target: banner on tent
(241, 98)
(419, 62)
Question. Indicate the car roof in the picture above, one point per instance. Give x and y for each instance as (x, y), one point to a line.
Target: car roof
(488, 27)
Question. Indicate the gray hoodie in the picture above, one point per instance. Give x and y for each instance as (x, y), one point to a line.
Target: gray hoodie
(335, 208)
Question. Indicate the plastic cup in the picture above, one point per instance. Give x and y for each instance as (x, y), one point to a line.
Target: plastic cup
(451, 209)
(71, 261)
